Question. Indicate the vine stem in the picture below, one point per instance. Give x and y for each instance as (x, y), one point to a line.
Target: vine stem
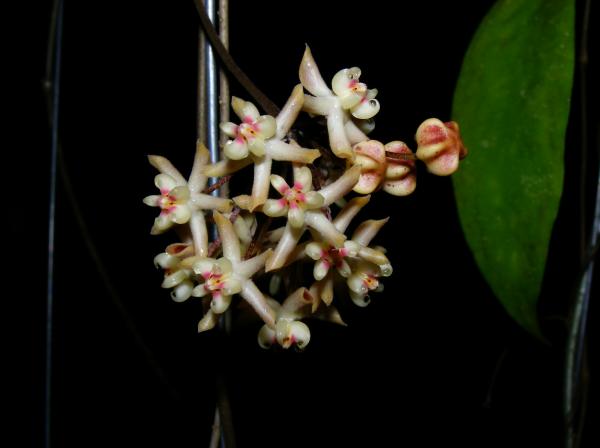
(575, 345)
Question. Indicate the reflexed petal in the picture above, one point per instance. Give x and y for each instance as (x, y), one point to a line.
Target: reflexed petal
(183, 291)
(314, 250)
(320, 269)
(236, 149)
(174, 279)
(204, 266)
(286, 152)
(208, 322)
(296, 217)
(289, 112)
(366, 109)
(310, 77)
(350, 210)
(199, 291)
(279, 184)
(219, 303)
(229, 240)
(229, 128)
(152, 200)
(374, 256)
(275, 208)
(303, 178)
(354, 133)
(319, 222)
(244, 109)
(266, 337)
(367, 230)
(338, 141)
(181, 214)
(338, 189)
(164, 182)
(161, 224)
(256, 146)
(266, 126)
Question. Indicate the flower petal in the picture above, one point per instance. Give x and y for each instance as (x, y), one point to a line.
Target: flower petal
(256, 146)
(266, 125)
(229, 128)
(302, 178)
(164, 182)
(320, 269)
(232, 285)
(310, 77)
(275, 208)
(245, 110)
(180, 194)
(181, 214)
(219, 303)
(199, 291)
(153, 200)
(296, 217)
(165, 261)
(314, 250)
(367, 108)
(162, 223)
(266, 337)
(174, 279)
(279, 184)
(183, 291)
(204, 266)
(314, 200)
(236, 149)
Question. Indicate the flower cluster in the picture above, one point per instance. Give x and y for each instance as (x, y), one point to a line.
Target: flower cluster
(307, 218)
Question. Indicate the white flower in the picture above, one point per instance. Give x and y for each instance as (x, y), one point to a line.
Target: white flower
(295, 200)
(349, 99)
(173, 202)
(250, 134)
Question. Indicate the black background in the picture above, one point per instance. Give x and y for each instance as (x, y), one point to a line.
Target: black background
(433, 361)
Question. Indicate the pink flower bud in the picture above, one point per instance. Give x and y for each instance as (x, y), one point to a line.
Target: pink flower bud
(400, 175)
(370, 155)
(440, 146)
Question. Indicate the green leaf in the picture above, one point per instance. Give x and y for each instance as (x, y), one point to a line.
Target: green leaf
(512, 103)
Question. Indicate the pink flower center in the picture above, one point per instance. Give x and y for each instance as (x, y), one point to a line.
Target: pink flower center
(294, 197)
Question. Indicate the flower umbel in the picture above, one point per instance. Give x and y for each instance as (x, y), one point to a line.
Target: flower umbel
(314, 211)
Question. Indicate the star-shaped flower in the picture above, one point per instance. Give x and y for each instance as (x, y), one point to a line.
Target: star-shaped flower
(250, 134)
(173, 202)
(295, 200)
(182, 201)
(349, 99)
(221, 278)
